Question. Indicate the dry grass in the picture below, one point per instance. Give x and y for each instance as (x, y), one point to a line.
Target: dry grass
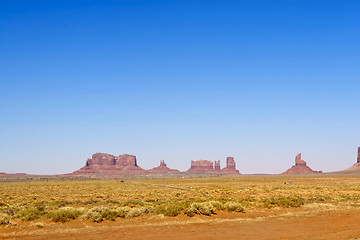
(98, 200)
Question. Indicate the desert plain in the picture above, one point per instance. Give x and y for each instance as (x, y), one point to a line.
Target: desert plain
(318, 206)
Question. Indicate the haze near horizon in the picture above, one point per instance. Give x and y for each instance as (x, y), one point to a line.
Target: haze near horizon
(260, 81)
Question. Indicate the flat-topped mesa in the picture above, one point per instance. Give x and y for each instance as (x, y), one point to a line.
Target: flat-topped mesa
(162, 168)
(230, 166)
(201, 166)
(300, 167)
(106, 163)
(206, 166)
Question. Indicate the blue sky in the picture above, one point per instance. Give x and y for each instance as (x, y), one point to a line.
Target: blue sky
(179, 80)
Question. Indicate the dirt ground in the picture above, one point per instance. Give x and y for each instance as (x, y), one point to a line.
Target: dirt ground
(303, 223)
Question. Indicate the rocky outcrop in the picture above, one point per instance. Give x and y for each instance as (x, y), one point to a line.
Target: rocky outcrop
(356, 167)
(300, 167)
(206, 166)
(201, 166)
(217, 166)
(106, 163)
(163, 168)
(230, 166)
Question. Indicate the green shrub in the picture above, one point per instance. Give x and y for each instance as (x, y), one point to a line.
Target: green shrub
(234, 207)
(4, 219)
(93, 216)
(105, 212)
(9, 211)
(122, 211)
(147, 210)
(218, 205)
(170, 210)
(97, 214)
(205, 208)
(134, 212)
(29, 214)
(190, 212)
(64, 214)
(286, 202)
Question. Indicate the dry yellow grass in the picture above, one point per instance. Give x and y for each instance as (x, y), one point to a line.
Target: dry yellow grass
(171, 197)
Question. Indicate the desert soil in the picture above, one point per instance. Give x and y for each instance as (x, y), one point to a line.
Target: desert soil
(303, 223)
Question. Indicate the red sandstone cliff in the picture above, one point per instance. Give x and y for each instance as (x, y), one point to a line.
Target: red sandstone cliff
(230, 166)
(201, 166)
(106, 163)
(300, 167)
(103, 163)
(206, 166)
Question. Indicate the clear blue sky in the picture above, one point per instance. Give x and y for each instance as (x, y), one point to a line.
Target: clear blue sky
(179, 80)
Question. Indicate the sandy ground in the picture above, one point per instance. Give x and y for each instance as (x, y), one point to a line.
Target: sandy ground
(303, 223)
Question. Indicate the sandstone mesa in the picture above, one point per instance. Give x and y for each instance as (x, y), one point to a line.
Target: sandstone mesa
(106, 164)
(206, 166)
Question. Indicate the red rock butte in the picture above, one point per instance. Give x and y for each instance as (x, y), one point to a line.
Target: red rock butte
(300, 167)
(163, 168)
(206, 166)
(106, 163)
(356, 167)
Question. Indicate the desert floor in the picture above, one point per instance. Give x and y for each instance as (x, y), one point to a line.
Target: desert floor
(331, 208)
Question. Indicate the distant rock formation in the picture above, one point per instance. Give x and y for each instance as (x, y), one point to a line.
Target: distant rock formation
(230, 166)
(201, 166)
(300, 167)
(163, 168)
(206, 166)
(217, 165)
(356, 167)
(2, 173)
(106, 163)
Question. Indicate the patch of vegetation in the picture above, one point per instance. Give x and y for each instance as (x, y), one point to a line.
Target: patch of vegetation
(4, 219)
(109, 200)
(234, 207)
(205, 208)
(122, 211)
(134, 212)
(218, 205)
(64, 214)
(170, 210)
(286, 202)
(147, 210)
(29, 214)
